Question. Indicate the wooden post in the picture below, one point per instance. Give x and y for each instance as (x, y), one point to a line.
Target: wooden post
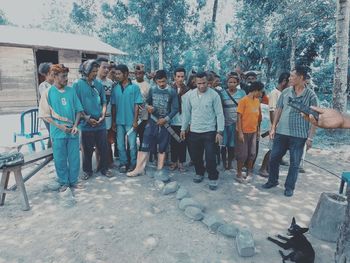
(36, 84)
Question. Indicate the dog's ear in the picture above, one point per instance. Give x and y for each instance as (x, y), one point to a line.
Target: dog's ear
(304, 230)
(293, 221)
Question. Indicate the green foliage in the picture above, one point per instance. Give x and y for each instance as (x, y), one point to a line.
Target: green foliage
(3, 19)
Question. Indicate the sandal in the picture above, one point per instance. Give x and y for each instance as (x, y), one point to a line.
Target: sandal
(239, 179)
(86, 176)
(182, 169)
(172, 166)
(77, 186)
(63, 188)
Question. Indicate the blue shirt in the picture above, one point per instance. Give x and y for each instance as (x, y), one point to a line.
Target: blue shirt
(125, 100)
(62, 106)
(92, 98)
(204, 112)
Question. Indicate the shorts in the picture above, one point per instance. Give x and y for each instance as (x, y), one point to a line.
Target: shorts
(229, 135)
(155, 135)
(246, 151)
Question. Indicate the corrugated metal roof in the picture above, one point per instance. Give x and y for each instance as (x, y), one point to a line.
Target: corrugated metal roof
(23, 37)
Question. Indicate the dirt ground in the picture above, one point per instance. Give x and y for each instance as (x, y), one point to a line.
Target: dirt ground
(128, 220)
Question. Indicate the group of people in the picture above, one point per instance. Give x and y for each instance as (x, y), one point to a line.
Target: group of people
(201, 117)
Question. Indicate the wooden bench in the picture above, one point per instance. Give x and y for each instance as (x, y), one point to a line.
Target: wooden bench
(30, 158)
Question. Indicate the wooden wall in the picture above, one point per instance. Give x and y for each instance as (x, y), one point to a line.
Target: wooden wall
(72, 60)
(17, 79)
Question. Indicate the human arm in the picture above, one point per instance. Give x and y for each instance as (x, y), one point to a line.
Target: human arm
(329, 119)
(239, 127)
(186, 115)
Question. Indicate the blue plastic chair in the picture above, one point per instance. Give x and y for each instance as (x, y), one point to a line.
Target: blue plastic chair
(29, 132)
(345, 178)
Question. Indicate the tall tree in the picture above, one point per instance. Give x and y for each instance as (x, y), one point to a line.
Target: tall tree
(342, 254)
(341, 55)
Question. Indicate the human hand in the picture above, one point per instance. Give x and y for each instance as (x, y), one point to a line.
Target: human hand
(328, 118)
(272, 133)
(161, 121)
(92, 122)
(241, 137)
(218, 138)
(114, 127)
(149, 109)
(74, 130)
(65, 128)
(135, 125)
(308, 144)
(183, 135)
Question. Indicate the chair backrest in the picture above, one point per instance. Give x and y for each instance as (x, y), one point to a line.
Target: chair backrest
(32, 116)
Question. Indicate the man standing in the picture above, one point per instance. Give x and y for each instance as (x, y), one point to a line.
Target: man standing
(204, 112)
(162, 104)
(126, 99)
(144, 89)
(178, 149)
(107, 84)
(283, 82)
(93, 129)
(60, 107)
(290, 131)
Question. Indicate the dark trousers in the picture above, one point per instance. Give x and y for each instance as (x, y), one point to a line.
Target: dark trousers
(177, 150)
(141, 130)
(90, 139)
(282, 143)
(201, 142)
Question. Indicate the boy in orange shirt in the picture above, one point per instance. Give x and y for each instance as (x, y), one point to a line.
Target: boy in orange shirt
(248, 122)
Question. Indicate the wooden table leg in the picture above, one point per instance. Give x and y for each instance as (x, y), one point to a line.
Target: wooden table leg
(22, 188)
(3, 185)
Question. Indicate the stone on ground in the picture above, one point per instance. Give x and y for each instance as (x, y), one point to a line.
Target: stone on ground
(162, 176)
(68, 199)
(184, 203)
(170, 188)
(228, 230)
(182, 193)
(245, 243)
(194, 213)
(51, 186)
(212, 222)
(159, 185)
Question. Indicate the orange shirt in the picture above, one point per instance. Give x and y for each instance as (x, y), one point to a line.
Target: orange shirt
(250, 112)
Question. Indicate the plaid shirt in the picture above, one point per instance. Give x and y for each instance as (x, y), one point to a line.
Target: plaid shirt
(291, 122)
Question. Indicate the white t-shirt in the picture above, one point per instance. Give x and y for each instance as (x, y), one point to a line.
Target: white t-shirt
(144, 89)
(108, 86)
(273, 98)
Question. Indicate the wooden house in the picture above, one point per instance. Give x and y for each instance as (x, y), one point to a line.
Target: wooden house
(21, 52)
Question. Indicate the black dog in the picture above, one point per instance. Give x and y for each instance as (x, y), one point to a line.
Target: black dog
(302, 249)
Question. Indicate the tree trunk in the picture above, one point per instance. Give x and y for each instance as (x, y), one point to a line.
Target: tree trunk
(215, 10)
(161, 46)
(341, 56)
(294, 40)
(342, 254)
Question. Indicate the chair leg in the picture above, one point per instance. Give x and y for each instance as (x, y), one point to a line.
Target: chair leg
(22, 188)
(3, 185)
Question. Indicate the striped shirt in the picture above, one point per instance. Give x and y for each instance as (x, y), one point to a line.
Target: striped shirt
(291, 122)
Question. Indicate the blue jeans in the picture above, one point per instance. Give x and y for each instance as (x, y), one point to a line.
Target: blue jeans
(281, 144)
(123, 158)
(66, 156)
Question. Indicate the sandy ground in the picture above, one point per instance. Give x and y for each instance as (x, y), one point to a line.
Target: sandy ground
(127, 220)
